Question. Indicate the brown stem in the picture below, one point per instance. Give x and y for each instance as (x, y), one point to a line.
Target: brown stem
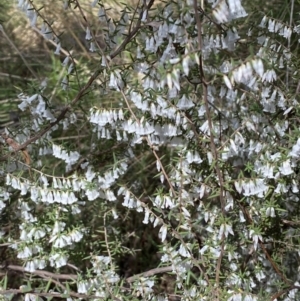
(150, 273)
(84, 89)
(212, 142)
(63, 112)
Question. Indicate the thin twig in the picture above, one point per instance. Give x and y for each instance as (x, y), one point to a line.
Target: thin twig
(133, 32)
(53, 281)
(39, 273)
(289, 39)
(90, 29)
(54, 294)
(278, 294)
(273, 264)
(63, 112)
(13, 76)
(18, 51)
(150, 144)
(150, 273)
(106, 241)
(212, 143)
(135, 10)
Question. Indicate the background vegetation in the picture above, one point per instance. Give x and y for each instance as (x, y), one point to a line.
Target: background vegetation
(141, 160)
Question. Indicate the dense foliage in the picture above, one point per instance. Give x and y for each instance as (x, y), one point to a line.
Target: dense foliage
(162, 165)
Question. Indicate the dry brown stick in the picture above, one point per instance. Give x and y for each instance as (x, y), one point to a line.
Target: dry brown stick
(56, 295)
(44, 273)
(55, 277)
(54, 281)
(75, 277)
(280, 293)
(150, 273)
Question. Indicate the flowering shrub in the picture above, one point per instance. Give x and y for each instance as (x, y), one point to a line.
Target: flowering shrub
(174, 154)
